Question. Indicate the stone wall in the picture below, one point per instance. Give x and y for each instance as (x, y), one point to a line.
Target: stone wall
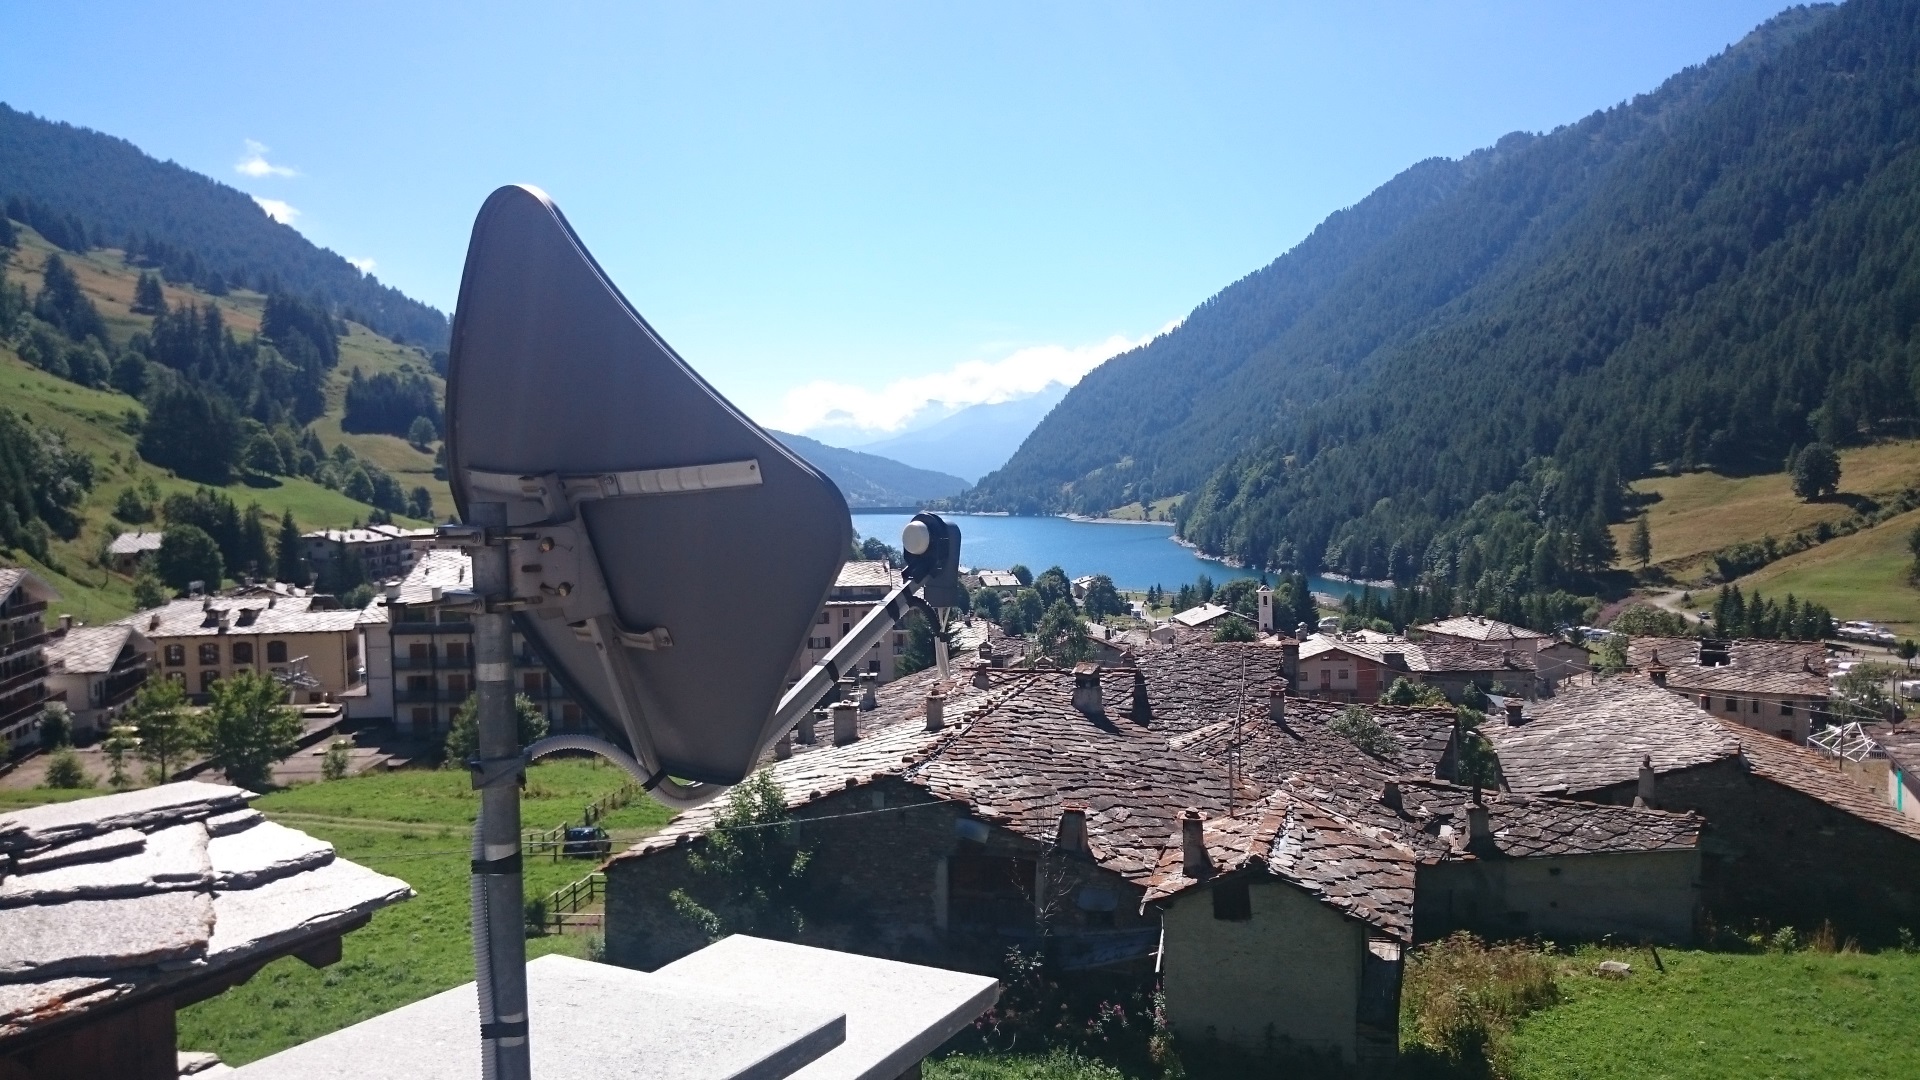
(878, 884)
(1291, 971)
(1775, 855)
(1638, 896)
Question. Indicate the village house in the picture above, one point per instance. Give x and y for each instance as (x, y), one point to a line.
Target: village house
(1553, 659)
(308, 641)
(860, 587)
(1202, 617)
(130, 552)
(419, 657)
(1779, 687)
(119, 910)
(1001, 581)
(1790, 838)
(1362, 665)
(1083, 813)
(96, 670)
(23, 657)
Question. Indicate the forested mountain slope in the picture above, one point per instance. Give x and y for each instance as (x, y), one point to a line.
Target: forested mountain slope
(870, 479)
(83, 189)
(1713, 273)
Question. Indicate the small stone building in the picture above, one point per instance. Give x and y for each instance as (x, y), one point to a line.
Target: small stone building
(1789, 839)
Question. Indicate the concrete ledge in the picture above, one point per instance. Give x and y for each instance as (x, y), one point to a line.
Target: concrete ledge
(587, 1020)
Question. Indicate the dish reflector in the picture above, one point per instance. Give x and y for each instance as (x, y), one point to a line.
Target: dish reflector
(670, 555)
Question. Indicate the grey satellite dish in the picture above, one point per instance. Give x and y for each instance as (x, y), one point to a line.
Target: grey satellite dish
(667, 555)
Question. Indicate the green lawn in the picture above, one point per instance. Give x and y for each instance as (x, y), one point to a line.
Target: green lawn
(1803, 1014)
(1863, 576)
(415, 825)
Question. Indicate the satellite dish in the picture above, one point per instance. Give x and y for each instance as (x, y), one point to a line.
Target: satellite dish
(668, 556)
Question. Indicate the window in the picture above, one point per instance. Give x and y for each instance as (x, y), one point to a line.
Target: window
(420, 652)
(1786, 708)
(1343, 675)
(1733, 705)
(456, 685)
(207, 679)
(819, 643)
(533, 682)
(178, 677)
(1231, 900)
(243, 652)
(423, 718)
(873, 666)
(176, 655)
(457, 652)
(276, 652)
(990, 890)
(825, 617)
(210, 655)
(1326, 676)
(1756, 706)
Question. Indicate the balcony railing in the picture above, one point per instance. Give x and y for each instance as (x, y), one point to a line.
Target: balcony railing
(431, 628)
(8, 647)
(36, 673)
(420, 697)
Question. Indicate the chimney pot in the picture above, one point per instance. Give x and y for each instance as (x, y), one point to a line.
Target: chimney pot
(868, 680)
(1086, 690)
(981, 680)
(1277, 704)
(1072, 836)
(1194, 861)
(936, 710)
(805, 730)
(783, 749)
(1516, 712)
(1657, 672)
(846, 723)
(846, 689)
(66, 623)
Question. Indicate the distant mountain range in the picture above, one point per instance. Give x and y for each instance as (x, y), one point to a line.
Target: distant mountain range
(974, 441)
(65, 180)
(871, 480)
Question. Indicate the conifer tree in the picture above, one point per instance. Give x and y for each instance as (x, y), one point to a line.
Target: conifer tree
(290, 563)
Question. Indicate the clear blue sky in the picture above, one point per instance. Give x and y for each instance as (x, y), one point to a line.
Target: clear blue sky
(848, 195)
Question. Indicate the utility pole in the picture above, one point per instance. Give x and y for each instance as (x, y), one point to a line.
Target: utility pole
(499, 917)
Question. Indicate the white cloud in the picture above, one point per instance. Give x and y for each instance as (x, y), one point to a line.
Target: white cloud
(277, 210)
(881, 410)
(255, 163)
(365, 266)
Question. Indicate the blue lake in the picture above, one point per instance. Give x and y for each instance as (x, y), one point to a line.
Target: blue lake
(1135, 556)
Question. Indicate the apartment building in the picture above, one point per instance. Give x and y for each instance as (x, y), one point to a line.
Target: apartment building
(860, 587)
(387, 551)
(97, 670)
(420, 658)
(23, 659)
(306, 640)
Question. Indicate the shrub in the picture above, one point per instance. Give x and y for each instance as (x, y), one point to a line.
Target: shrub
(64, 771)
(1462, 996)
(1355, 724)
(334, 765)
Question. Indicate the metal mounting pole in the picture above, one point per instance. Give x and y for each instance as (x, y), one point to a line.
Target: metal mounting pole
(500, 948)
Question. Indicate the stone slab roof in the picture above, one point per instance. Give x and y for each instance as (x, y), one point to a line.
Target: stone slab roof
(1479, 628)
(106, 898)
(1442, 657)
(1192, 685)
(998, 579)
(1200, 616)
(866, 574)
(436, 568)
(1526, 825)
(134, 543)
(89, 650)
(1795, 668)
(1816, 775)
(13, 577)
(245, 615)
(1586, 738)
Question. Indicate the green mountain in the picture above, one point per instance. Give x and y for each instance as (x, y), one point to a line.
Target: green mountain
(872, 480)
(82, 189)
(1452, 381)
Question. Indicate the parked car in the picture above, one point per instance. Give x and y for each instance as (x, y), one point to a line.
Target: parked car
(586, 842)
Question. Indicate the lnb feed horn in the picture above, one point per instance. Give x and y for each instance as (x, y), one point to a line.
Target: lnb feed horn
(667, 556)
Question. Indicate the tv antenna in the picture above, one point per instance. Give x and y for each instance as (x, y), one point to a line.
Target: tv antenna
(663, 555)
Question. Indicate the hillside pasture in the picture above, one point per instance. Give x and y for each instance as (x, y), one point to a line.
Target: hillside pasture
(1863, 576)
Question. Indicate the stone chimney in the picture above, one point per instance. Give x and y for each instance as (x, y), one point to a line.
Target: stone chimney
(1086, 690)
(1479, 824)
(1515, 712)
(1390, 797)
(1656, 670)
(1290, 658)
(936, 709)
(804, 731)
(1142, 703)
(1277, 704)
(1072, 836)
(1194, 861)
(846, 723)
(868, 680)
(1643, 791)
(981, 680)
(783, 747)
(66, 623)
(845, 690)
